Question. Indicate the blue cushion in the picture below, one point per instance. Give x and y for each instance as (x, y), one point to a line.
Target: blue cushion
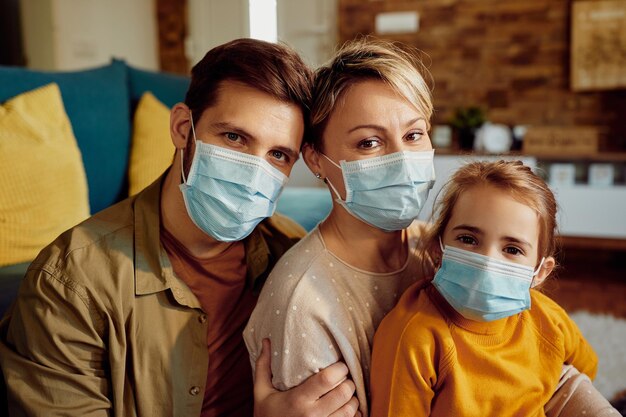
(97, 104)
(306, 205)
(168, 88)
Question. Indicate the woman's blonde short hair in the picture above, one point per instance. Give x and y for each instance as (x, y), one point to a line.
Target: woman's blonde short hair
(363, 59)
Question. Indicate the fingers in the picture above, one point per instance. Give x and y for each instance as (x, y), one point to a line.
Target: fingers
(324, 381)
(350, 409)
(263, 373)
(340, 401)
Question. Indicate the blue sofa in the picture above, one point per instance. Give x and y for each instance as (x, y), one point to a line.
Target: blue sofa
(100, 103)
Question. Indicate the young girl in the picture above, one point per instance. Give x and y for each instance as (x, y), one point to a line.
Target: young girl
(480, 340)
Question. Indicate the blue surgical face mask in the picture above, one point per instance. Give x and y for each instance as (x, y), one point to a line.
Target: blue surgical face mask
(387, 191)
(228, 193)
(481, 288)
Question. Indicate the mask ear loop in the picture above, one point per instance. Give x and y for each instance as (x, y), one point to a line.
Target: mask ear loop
(182, 151)
(327, 180)
(532, 283)
(441, 245)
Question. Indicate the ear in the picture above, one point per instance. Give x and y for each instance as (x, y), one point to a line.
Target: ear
(312, 160)
(546, 269)
(180, 123)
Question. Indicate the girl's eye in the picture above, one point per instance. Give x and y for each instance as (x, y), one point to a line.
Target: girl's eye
(370, 143)
(232, 136)
(512, 250)
(467, 240)
(414, 136)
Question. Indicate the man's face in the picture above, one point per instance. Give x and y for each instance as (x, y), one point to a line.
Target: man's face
(248, 120)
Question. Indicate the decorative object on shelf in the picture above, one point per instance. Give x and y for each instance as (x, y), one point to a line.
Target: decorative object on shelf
(466, 121)
(519, 131)
(493, 138)
(562, 175)
(442, 136)
(598, 48)
(570, 140)
(601, 175)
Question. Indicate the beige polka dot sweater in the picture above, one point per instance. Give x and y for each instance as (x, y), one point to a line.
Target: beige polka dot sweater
(317, 310)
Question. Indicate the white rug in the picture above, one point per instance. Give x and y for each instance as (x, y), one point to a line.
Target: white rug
(607, 335)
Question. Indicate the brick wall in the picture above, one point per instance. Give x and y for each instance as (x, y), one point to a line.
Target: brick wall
(509, 56)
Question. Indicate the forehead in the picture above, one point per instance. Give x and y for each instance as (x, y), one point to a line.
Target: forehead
(258, 113)
(495, 211)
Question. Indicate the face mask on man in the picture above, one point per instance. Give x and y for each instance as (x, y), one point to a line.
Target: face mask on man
(228, 193)
(481, 288)
(389, 191)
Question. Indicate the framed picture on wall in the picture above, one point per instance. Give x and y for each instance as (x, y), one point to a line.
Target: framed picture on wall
(598, 48)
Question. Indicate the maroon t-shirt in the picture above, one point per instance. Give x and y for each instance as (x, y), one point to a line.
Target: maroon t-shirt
(223, 292)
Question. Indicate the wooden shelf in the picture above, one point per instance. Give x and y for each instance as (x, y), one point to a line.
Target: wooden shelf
(595, 157)
(592, 242)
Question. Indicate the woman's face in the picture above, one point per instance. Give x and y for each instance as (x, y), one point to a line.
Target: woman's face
(370, 120)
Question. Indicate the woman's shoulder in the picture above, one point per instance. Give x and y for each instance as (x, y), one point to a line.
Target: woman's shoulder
(299, 265)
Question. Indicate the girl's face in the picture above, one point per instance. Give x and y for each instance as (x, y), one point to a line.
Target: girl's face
(488, 221)
(369, 120)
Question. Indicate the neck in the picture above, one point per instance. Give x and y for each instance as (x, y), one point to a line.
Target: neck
(177, 222)
(361, 245)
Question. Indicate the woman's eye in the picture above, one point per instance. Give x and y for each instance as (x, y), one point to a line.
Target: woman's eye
(414, 136)
(511, 250)
(468, 240)
(369, 143)
(232, 136)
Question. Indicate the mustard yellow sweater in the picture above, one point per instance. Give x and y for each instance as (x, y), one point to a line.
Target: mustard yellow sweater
(430, 361)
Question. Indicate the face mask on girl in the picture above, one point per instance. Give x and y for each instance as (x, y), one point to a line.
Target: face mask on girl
(228, 193)
(387, 191)
(481, 288)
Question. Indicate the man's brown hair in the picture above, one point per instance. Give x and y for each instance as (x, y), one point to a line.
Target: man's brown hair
(275, 69)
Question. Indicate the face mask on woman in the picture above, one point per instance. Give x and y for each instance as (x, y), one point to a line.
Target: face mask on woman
(387, 191)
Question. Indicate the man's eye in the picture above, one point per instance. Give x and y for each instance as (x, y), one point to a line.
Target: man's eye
(232, 136)
(279, 155)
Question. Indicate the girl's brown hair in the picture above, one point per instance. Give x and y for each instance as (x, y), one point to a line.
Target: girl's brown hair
(513, 177)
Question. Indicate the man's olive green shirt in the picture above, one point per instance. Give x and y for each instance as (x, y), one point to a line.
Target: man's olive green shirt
(102, 325)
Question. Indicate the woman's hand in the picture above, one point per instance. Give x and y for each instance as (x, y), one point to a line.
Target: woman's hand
(326, 394)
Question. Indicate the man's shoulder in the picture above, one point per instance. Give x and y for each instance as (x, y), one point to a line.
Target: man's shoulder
(282, 225)
(108, 230)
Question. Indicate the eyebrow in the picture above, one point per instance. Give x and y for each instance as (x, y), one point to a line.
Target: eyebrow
(478, 231)
(292, 153)
(381, 128)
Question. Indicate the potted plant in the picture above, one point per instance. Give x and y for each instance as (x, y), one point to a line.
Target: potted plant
(466, 121)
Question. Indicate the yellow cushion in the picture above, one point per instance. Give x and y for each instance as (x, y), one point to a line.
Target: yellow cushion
(43, 187)
(152, 149)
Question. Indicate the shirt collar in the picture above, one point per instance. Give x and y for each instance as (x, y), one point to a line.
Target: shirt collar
(153, 270)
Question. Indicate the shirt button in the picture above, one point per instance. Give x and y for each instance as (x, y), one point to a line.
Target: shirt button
(202, 318)
(194, 390)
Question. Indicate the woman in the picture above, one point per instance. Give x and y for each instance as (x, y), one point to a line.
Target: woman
(369, 142)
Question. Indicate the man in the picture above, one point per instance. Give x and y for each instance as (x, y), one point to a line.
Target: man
(139, 310)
